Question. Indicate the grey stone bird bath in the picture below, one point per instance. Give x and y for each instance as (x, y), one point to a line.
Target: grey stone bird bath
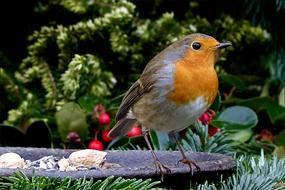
(134, 164)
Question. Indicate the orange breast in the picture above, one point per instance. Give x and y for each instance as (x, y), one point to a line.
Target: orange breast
(193, 81)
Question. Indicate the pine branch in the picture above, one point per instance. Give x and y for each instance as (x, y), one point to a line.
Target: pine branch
(253, 173)
(21, 181)
(10, 87)
(51, 80)
(200, 141)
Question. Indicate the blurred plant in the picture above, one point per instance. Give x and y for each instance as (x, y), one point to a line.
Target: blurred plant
(95, 54)
(269, 14)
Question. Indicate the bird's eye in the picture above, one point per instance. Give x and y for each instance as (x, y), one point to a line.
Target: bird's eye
(196, 45)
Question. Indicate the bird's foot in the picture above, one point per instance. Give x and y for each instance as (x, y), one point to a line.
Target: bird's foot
(191, 164)
(161, 169)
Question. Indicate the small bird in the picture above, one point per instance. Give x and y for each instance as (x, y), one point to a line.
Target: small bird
(176, 87)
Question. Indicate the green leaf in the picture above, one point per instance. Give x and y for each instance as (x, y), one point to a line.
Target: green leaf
(233, 81)
(279, 139)
(273, 109)
(118, 142)
(71, 118)
(126, 142)
(87, 103)
(236, 118)
(240, 136)
(280, 120)
(160, 140)
(217, 103)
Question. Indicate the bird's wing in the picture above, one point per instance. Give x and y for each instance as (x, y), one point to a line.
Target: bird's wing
(142, 86)
(135, 92)
(122, 127)
(124, 123)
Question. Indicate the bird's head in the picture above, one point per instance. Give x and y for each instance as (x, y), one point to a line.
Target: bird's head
(202, 50)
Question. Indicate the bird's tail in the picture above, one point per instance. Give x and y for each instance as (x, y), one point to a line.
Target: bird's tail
(122, 127)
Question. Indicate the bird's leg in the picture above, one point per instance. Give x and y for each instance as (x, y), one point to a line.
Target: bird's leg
(184, 159)
(158, 165)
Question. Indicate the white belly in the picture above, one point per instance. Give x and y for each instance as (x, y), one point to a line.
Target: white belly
(167, 116)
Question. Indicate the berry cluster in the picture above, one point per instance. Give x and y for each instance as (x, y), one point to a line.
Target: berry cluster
(102, 120)
(206, 119)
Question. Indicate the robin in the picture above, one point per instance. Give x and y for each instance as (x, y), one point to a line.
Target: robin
(176, 87)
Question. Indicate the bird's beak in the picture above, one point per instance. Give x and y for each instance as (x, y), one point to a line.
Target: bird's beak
(223, 45)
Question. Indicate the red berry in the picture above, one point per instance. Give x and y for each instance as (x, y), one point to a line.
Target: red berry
(105, 136)
(213, 130)
(96, 145)
(104, 118)
(135, 131)
(205, 119)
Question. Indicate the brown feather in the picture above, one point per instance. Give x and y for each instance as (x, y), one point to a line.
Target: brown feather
(131, 97)
(122, 127)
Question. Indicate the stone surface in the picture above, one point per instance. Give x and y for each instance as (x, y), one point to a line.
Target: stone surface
(134, 163)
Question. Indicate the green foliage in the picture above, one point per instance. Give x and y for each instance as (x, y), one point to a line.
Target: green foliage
(10, 86)
(21, 181)
(253, 173)
(271, 19)
(200, 141)
(272, 109)
(82, 71)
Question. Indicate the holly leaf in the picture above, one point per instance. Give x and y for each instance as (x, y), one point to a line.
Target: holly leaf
(233, 80)
(273, 109)
(236, 118)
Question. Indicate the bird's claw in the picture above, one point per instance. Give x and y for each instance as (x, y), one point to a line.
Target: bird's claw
(161, 169)
(190, 163)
